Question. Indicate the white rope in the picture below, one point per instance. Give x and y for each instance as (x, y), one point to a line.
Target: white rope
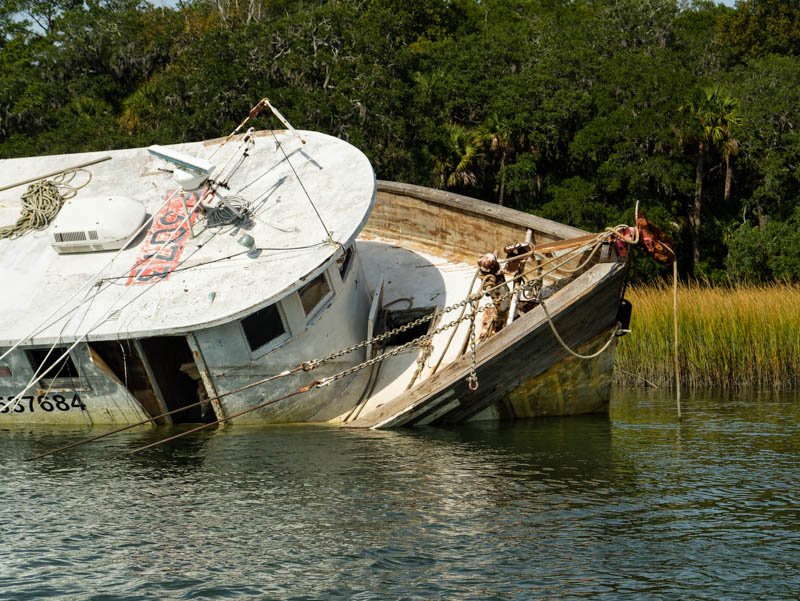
(42, 201)
(564, 344)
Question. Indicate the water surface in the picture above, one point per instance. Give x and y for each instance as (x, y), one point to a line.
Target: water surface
(632, 506)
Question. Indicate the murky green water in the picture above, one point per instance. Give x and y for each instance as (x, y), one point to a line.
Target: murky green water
(628, 507)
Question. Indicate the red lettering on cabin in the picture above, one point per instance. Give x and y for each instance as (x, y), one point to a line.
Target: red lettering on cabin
(163, 246)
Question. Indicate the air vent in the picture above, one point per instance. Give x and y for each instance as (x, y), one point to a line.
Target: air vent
(96, 224)
(70, 236)
(78, 248)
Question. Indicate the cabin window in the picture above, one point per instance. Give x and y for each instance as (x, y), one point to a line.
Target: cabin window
(56, 362)
(343, 262)
(263, 326)
(313, 294)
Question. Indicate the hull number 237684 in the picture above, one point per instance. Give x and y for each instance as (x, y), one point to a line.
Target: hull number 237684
(32, 404)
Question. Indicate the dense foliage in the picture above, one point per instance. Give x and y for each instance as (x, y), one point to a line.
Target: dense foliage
(573, 109)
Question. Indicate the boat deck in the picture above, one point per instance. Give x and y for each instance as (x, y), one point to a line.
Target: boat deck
(415, 279)
(202, 281)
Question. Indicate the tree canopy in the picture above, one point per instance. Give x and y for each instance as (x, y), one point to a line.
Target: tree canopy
(571, 109)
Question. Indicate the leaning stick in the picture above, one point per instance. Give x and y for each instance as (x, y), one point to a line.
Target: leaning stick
(53, 173)
(676, 357)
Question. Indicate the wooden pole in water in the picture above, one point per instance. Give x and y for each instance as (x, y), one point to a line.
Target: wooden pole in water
(675, 328)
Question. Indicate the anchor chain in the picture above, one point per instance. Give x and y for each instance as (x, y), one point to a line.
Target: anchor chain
(422, 340)
(472, 379)
(531, 289)
(314, 363)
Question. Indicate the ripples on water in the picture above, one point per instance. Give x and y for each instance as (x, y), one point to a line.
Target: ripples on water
(632, 507)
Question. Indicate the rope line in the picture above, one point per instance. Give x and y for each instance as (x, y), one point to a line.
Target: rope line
(564, 344)
(42, 201)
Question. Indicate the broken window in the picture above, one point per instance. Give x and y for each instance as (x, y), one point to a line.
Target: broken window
(263, 326)
(56, 365)
(314, 293)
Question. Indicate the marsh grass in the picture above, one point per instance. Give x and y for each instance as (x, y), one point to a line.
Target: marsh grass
(746, 336)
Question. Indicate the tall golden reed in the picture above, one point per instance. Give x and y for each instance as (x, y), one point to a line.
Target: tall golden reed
(748, 336)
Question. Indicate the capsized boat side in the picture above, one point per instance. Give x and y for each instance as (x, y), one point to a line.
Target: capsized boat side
(268, 353)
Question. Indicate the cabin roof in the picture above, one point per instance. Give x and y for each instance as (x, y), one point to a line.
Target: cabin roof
(212, 278)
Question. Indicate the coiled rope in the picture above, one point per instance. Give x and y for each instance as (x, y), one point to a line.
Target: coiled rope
(42, 201)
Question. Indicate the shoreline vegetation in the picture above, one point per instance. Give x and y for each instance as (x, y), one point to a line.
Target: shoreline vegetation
(741, 337)
(573, 110)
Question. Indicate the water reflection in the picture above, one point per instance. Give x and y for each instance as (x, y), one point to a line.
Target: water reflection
(635, 505)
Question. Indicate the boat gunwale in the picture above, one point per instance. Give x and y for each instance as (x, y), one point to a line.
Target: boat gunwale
(481, 208)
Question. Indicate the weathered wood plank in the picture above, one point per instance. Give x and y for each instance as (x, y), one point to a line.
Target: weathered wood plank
(466, 204)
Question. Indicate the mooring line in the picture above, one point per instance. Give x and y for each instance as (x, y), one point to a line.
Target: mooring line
(310, 365)
(167, 413)
(300, 390)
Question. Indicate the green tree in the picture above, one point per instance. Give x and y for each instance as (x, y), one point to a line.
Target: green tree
(769, 163)
(496, 137)
(454, 164)
(761, 27)
(713, 118)
(766, 253)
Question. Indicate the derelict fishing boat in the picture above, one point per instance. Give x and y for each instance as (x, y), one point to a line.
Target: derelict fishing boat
(268, 278)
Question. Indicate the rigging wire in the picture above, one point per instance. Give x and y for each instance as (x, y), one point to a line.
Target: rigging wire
(247, 141)
(91, 281)
(106, 315)
(308, 196)
(94, 281)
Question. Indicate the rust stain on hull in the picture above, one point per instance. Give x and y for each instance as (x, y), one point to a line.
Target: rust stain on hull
(571, 387)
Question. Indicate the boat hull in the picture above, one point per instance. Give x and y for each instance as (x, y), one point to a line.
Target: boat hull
(524, 370)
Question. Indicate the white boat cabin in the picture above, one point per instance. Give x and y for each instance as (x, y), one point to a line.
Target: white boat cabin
(248, 275)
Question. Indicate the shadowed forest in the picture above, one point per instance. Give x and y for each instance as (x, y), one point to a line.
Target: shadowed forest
(571, 109)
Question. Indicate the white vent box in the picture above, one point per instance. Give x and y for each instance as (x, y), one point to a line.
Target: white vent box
(96, 224)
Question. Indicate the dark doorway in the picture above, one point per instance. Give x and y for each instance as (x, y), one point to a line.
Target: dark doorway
(177, 377)
(120, 360)
(403, 317)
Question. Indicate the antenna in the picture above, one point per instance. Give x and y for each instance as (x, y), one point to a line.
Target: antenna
(191, 171)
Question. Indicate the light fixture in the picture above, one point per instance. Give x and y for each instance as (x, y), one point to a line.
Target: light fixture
(250, 244)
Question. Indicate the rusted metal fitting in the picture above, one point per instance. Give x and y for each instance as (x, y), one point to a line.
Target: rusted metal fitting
(488, 263)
